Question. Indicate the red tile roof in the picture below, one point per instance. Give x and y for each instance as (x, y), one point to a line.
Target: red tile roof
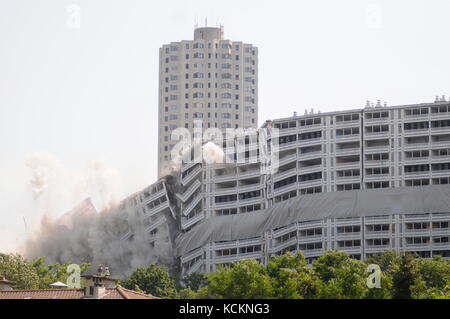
(117, 292)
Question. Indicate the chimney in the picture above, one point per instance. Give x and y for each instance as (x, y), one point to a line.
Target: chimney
(97, 285)
(6, 284)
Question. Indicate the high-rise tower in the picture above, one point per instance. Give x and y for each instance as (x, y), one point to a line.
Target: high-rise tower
(208, 79)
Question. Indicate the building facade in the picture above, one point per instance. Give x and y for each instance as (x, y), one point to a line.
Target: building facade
(369, 148)
(361, 223)
(210, 82)
(203, 215)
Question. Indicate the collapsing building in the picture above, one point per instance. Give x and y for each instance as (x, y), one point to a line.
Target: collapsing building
(362, 181)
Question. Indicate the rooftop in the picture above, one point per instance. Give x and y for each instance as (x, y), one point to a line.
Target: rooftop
(117, 292)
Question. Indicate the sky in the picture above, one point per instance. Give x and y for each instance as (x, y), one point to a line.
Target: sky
(79, 80)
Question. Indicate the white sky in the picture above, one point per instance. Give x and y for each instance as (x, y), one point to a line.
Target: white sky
(91, 93)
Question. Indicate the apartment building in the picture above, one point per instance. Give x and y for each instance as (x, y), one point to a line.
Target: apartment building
(374, 147)
(370, 148)
(360, 222)
(208, 82)
(362, 180)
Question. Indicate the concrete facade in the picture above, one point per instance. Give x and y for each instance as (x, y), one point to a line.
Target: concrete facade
(209, 79)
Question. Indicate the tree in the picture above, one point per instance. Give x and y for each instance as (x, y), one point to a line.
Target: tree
(194, 281)
(291, 277)
(342, 277)
(17, 269)
(243, 280)
(432, 276)
(50, 273)
(383, 259)
(154, 280)
(403, 273)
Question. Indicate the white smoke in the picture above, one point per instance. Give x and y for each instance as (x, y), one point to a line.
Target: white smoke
(56, 189)
(213, 154)
(93, 230)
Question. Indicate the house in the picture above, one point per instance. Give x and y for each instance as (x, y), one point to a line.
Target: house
(98, 286)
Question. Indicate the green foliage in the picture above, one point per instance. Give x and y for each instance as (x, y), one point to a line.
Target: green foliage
(341, 276)
(50, 273)
(404, 273)
(333, 275)
(432, 277)
(35, 274)
(244, 280)
(194, 281)
(384, 259)
(154, 280)
(17, 269)
(291, 278)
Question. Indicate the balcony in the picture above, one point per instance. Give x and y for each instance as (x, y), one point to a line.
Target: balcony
(377, 234)
(416, 146)
(225, 191)
(309, 128)
(225, 244)
(443, 129)
(152, 197)
(348, 179)
(287, 159)
(440, 173)
(348, 151)
(311, 183)
(376, 135)
(224, 205)
(288, 145)
(249, 173)
(285, 188)
(250, 241)
(310, 169)
(376, 177)
(310, 141)
(249, 188)
(309, 155)
(348, 138)
(188, 193)
(417, 174)
(186, 223)
(311, 239)
(249, 201)
(287, 131)
(443, 115)
(197, 199)
(418, 160)
(157, 209)
(417, 131)
(349, 165)
(283, 231)
(313, 252)
(376, 163)
(281, 175)
(352, 123)
(225, 178)
(185, 180)
(377, 248)
(191, 255)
